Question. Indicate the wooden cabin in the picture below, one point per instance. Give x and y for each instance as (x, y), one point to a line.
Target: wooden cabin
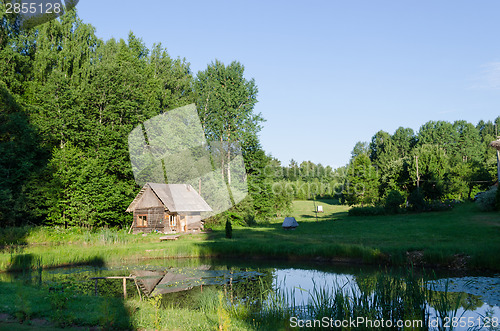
(167, 208)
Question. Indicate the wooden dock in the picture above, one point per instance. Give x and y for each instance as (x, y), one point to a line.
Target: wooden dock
(124, 278)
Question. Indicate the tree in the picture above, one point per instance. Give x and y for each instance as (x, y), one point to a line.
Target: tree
(382, 150)
(469, 146)
(433, 164)
(81, 98)
(404, 140)
(19, 157)
(225, 101)
(438, 133)
(362, 182)
(361, 147)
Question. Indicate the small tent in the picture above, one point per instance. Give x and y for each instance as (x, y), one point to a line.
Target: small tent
(289, 223)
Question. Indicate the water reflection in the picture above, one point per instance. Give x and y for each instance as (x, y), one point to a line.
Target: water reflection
(181, 282)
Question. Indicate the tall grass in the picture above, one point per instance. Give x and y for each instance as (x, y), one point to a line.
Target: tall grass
(392, 299)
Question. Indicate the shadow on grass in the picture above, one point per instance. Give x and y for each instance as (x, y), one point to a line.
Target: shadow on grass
(13, 236)
(331, 202)
(311, 240)
(27, 296)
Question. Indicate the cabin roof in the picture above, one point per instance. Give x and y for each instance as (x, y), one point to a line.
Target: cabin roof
(175, 197)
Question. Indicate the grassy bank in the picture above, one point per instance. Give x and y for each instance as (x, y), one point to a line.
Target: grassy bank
(449, 239)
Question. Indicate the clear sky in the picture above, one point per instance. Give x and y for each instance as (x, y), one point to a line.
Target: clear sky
(331, 73)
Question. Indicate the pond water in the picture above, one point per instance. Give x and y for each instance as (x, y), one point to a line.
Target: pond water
(469, 297)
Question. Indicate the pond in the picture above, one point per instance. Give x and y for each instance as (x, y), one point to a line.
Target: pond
(306, 291)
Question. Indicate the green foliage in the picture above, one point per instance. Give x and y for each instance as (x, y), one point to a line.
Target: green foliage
(223, 314)
(23, 306)
(436, 205)
(486, 201)
(454, 160)
(367, 211)
(393, 202)
(360, 148)
(19, 157)
(416, 201)
(362, 182)
(82, 97)
(229, 230)
(497, 199)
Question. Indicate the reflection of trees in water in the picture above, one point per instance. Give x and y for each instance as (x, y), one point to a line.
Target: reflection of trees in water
(456, 300)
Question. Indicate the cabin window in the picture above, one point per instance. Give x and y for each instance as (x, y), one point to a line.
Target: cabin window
(142, 221)
(173, 222)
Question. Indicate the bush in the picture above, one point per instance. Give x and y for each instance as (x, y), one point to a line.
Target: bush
(439, 205)
(367, 211)
(497, 203)
(229, 230)
(416, 200)
(249, 219)
(486, 201)
(393, 201)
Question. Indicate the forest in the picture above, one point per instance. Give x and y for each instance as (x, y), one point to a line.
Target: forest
(70, 99)
(444, 160)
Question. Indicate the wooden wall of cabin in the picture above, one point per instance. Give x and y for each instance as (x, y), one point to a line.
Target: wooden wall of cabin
(194, 222)
(171, 222)
(160, 220)
(154, 220)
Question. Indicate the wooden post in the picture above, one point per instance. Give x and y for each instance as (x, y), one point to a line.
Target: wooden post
(124, 282)
(124, 288)
(131, 226)
(138, 290)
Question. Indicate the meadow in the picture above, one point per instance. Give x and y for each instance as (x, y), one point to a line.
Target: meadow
(460, 238)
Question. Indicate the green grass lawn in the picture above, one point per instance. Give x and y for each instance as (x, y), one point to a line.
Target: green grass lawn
(438, 237)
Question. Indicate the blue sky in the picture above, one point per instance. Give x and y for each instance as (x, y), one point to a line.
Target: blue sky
(331, 73)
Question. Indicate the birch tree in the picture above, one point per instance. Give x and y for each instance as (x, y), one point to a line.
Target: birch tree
(225, 101)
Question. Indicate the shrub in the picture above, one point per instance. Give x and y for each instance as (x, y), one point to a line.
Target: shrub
(393, 201)
(367, 211)
(439, 205)
(497, 202)
(249, 219)
(235, 218)
(416, 200)
(229, 230)
(486, 201)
